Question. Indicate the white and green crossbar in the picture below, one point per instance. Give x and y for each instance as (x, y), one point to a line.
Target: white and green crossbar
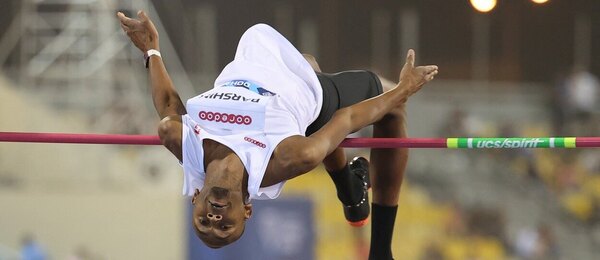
(476, 143)
(544, 142)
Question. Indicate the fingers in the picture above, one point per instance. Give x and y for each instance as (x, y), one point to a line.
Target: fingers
(430, 72)
(410, 58)
(427, 72)
(430, 68)
(147, 22)
(125, 28)
(424, 70)
(126, 20)
(142, 15)
(430, 76)
(121, 16)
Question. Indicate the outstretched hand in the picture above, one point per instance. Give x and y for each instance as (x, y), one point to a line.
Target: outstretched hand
(413, 78)
(141, 31)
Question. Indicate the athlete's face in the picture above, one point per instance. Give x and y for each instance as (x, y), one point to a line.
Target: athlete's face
(219, 216)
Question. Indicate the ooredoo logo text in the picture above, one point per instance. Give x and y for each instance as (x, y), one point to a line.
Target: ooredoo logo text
(225, 118)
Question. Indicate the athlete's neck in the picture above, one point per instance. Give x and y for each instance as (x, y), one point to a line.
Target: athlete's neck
(223, 168)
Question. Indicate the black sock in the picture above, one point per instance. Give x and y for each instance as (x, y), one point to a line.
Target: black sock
(349, 187)
(382, 229)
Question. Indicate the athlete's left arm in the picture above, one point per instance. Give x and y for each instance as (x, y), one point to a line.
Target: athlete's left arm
(144, 36)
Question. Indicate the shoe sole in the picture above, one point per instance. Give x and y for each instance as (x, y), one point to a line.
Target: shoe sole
(359, 223)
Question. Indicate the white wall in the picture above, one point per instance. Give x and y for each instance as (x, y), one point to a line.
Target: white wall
(110, 225)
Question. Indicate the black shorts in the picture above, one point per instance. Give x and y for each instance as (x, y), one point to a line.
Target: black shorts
(344, 89)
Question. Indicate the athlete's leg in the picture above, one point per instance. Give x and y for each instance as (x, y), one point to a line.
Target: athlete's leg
(336, 161)
(351, 182)
(388, 165)
(387, 172)
(348, 177)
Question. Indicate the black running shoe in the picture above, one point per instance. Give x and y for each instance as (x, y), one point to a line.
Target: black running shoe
(357, 215)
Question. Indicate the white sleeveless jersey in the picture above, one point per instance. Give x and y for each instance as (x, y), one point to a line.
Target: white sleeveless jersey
(267, 93)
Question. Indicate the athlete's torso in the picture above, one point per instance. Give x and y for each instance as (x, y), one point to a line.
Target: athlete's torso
(268, 93)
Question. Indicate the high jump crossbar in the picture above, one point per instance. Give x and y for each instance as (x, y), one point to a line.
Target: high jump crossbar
(462, 142)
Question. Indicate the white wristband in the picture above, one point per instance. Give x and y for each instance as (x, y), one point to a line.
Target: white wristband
(148, 54)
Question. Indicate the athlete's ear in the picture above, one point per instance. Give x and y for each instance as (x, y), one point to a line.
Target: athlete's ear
(247, 211)
(196, 193)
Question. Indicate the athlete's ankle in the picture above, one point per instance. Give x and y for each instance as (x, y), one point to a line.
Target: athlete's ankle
(348, 185)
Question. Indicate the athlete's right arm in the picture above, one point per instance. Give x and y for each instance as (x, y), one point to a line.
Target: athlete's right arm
(297, 155)
(167, 102)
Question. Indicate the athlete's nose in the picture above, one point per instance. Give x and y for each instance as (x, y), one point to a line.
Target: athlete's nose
(214, 217)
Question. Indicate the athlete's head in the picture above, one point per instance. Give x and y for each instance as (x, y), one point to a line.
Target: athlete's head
(219, 215)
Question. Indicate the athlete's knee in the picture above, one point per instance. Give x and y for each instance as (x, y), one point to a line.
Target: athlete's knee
(398, 113)
(312, 61)
(387, 84)
(309, 57)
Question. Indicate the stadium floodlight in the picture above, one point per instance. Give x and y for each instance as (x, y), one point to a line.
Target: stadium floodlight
(483, 6)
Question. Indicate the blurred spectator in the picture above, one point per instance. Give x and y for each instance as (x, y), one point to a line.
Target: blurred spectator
(589, 160)
(31, 250)
(433, 251)
(559, 104)
(537, 244)
(594, 218)
(486, 222)
(547, 245)
(568, 174)
(455, 125)
(455, 225)
(581, 98)
(82, 253)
